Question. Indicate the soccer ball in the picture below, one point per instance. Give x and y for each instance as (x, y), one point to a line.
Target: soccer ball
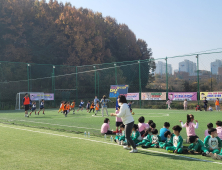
(133, 113)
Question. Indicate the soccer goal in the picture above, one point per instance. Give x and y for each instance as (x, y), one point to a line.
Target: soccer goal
(34, 96)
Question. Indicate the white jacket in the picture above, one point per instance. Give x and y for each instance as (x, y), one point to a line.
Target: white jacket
(125, 113)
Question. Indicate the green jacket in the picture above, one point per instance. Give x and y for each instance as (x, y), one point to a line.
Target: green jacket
(136, 135)
(215, 142)
(155, 138)
(177, 142)
(196, 146)
(171, 140)
(147, 138)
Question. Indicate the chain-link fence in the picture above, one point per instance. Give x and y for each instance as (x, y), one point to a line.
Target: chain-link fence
(199, 72)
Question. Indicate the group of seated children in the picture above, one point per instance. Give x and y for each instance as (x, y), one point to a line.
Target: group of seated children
(146, 135)
(66, 107)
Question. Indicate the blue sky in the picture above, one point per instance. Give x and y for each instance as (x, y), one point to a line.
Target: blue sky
(170, 27)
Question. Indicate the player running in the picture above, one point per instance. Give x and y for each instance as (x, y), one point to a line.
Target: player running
(33, 108)
(41, 107)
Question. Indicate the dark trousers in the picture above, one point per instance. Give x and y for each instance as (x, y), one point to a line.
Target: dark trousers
(91, 110)
(128, 132)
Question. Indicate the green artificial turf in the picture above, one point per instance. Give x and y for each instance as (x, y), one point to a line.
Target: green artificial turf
(53, 141)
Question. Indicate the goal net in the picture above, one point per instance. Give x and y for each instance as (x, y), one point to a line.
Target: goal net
(35, 96)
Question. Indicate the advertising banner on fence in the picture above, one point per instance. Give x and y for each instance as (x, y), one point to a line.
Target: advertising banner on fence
(153, 96)
(116, 90)
(211, 95)
(48, 96)
(36, 96)
(190, 96)
(132, 96)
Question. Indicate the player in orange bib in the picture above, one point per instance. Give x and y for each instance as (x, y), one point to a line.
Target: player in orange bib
(73, 106)
(97, 107)
(65, 109)
(92, 107)
(217, 104)
(61, 106)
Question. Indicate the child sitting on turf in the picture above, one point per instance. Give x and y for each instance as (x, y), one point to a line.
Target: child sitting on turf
(209, 126)
(154, 140)
(136, 137)
(105, 127)
(142, 126)
(190, 126)
(212, 144)
(198, 108)
(196, 146)
(147, 137)
(219, 129)
(149, 123)
(169, 140)
(210, 108)
(118, 121)
(153, 125)
(163, 130)
(177, 141)
(121, 139)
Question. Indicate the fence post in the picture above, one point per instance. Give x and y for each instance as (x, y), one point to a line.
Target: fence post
(166, 79)
(76, 84)
(115, 73)
(198, 81)
(53, 82)
(139, 84)
(95, 79)
(98, 84)
(28, 75)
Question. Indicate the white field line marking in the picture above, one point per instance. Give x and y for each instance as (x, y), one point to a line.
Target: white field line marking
(50, 124)
(147, 150)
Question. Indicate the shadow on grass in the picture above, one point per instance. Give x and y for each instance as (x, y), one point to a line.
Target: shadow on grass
(183, 157)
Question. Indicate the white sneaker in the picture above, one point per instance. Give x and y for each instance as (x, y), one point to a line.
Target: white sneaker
(208, 154)
(127, 147)
(134, 151)
(218, 157)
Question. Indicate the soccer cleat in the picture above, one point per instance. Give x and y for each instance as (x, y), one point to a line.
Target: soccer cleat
(170, 151)
(156, 146)
(204, 154)
(164, 147)
(133, 151)
(127, 147)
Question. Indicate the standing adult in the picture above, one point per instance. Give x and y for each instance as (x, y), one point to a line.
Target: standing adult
(128, 121)
(205, 103)
(104, 102)
(95, 101)
(26, 102)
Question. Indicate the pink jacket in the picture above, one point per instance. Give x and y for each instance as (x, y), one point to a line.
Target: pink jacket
(206, 133)
(219, 132)
(118, 119)
(142, 126)
(104, 128)
(190, 128)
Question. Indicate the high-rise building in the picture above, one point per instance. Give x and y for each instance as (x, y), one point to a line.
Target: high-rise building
(161, 68)
(215, 65)
(188, 66)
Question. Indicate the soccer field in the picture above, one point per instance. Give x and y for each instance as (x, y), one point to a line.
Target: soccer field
(53, 141)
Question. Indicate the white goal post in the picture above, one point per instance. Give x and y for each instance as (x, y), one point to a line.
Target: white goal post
(21, 95)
